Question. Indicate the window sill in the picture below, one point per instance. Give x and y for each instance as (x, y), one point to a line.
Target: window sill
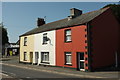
(45, 62)
(44, 43)
(68, 64)
(68, 41)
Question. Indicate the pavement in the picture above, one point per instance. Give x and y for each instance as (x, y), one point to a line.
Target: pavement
(14, 61)
(2, 75)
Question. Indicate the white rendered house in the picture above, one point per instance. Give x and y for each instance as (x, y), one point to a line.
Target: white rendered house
(44, 48)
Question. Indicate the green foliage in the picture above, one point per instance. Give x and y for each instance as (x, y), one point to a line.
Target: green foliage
(4, 35)
(116, 10)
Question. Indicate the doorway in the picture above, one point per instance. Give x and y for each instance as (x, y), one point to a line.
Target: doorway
(36, 57)
(31, 57)
(80, 61)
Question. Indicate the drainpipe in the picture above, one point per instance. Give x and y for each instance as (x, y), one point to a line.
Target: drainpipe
(89, 47)
(116, 59)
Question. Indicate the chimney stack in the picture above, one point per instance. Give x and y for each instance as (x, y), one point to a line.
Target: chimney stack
(74, 13)
(40, 22)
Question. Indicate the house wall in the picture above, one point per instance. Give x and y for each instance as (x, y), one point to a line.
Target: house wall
(104, 40)
(77, 45)
(29, 48)
(49, 47)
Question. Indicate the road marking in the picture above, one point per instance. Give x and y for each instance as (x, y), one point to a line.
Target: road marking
(62, 73)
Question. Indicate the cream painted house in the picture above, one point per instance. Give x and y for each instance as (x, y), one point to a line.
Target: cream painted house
(26, 48)
(38, 46)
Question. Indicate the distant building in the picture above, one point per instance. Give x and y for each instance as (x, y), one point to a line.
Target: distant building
(85, 42)
(12, 49)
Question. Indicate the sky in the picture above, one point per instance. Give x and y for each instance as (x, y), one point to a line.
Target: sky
(20, 17)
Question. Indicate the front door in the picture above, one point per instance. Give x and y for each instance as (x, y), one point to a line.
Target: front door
(31, 57)
(36, 57)
(80, 60)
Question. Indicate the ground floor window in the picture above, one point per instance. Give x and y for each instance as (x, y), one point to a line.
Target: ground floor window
(45, 57)
(25, 56)
(68, 58)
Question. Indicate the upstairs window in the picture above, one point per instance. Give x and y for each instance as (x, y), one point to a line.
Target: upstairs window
(45, 39)
(25, 41)
(68, 35)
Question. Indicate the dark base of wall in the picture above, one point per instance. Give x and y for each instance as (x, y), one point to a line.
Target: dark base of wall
(108, 68)
(34, 63)
(66, 67)
(45, 65)
(53, 66)
(25, 62)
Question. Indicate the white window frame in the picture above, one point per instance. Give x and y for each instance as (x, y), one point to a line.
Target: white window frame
(45, 36)
(68, 35)
(82, 61)
(43, 54)
(25, 41)
(68, 54)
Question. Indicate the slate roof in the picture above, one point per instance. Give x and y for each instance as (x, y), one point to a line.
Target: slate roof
(84, 18)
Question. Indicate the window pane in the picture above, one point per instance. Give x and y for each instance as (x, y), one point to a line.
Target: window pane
(45, 56)
(81, 65)
(81, 56)
(68, 38)
(68, 32)
(68, 58)
(45, 38)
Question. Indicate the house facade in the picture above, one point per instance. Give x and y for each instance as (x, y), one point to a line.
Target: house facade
(45, 48)
(71, 47)
(84, 42)
(26, 49)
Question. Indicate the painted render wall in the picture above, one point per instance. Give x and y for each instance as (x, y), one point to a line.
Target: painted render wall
(104, 40)
(49, 47)
(29, 48)
(76, 45)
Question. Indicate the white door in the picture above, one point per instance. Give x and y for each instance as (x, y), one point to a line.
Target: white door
(36, 57)
(81, 61)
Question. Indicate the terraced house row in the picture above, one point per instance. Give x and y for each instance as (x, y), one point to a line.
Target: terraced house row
(85, 42)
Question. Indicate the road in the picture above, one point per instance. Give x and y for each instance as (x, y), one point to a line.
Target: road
(22, 74)
(27, 73)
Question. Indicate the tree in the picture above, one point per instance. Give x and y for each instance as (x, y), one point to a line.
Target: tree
(116, 10)
(3, 34)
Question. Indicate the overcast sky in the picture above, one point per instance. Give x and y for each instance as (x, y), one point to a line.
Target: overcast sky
(20, 17)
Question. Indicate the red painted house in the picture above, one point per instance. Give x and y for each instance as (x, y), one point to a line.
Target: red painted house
(88, 41)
